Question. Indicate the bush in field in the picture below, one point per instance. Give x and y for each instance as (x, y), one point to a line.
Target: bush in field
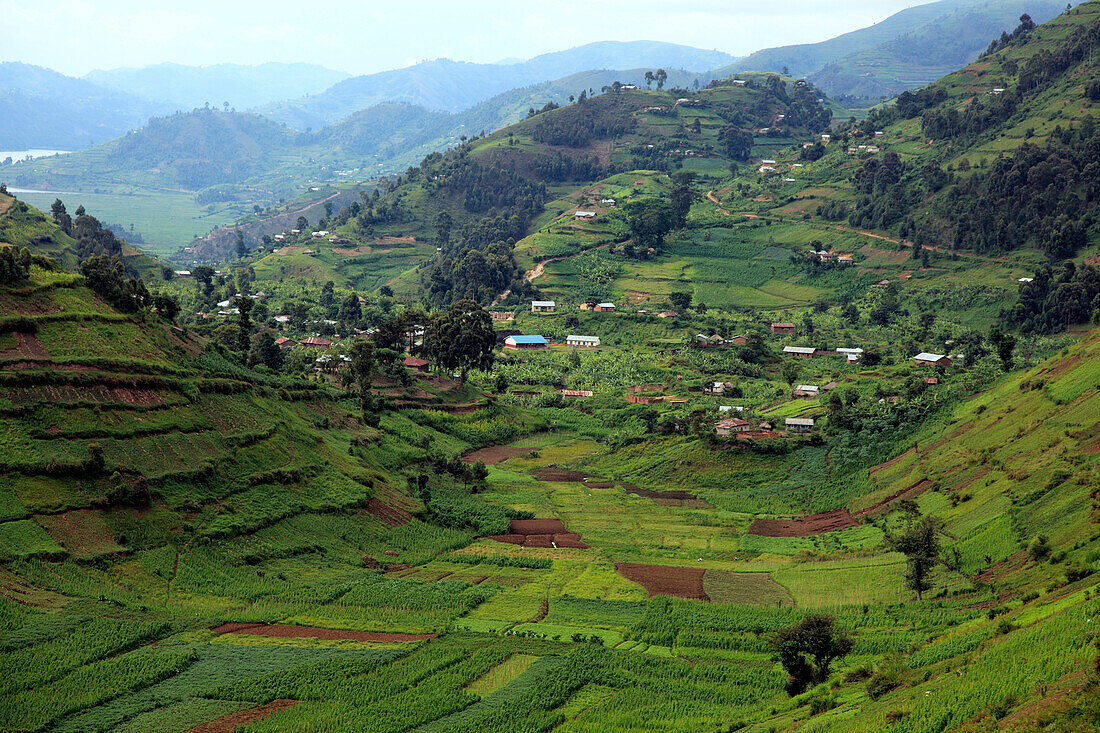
(807, 650)
(889, 675)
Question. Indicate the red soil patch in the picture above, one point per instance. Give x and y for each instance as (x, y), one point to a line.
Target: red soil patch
(1009, 565)
(59, 394)
(229, 723)
(803, 526)
(559, 474)
(493, 454)
(541, 533)
(829, 521)
(395, 240)
(669, 498)
(666, 581)
(286, 631)
(27, 346)
(17, 365)
(391, 516)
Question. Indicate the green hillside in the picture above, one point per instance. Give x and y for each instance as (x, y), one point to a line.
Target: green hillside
(24, 226)
(163, 506)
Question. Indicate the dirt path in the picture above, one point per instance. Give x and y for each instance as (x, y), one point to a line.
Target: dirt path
(229, 723)
(537, 271)
(711, 197)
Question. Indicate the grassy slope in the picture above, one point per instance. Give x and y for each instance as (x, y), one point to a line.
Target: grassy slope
(24, 226)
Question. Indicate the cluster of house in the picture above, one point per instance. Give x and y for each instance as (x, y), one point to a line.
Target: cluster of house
(524, 342)
(740, 426)
(826, 256)
(714, 341)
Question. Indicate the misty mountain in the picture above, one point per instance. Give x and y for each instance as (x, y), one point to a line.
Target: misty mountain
(244, 87)
(41, 108)
(451, 86)
(910, 49)
(928, 52)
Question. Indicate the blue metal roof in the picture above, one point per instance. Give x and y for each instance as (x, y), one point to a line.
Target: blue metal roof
(529, 340)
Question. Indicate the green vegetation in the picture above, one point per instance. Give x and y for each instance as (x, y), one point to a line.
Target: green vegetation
(325, 481)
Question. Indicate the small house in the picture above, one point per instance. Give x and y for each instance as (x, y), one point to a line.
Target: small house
(1025, 280)
(416, 364)
(782, 328)
(584, 215)
(806, 391)
(724, 428)
(845, 259)
(604, 308)
(316, 342)
(575, 393)
(641, 399)
(282, 320)
(800, 352)
(667, 314)
(526, 342)
(543, 306)
(584, 342)
(799, 424)
(931, 380)
(182, 273)
(502, 315)
(928, 359)
(607, 202)
(285, 343)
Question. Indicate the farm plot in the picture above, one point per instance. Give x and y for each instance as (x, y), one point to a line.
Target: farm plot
(83, 533)
(666, 581)
(541, 533)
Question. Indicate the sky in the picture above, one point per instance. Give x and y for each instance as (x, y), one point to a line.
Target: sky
(365, 36)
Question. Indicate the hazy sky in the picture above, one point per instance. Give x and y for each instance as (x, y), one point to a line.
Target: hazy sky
(364, 36)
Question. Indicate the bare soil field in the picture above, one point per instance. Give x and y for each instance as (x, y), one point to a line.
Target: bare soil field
(559, 474)
(493, 454)
(391, 516)
(541, 533)
(666, 581)
(27, 346)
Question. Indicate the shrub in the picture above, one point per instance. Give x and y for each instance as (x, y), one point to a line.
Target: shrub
(889, 675)
(1038, 549)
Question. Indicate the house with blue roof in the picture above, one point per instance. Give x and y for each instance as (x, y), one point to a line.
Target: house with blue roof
(526, 342)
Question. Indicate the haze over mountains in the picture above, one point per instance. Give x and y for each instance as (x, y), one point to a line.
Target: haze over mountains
(45, 109)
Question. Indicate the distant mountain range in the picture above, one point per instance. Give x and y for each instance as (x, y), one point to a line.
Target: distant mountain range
(243, 87)
(431, 104)
(40, 108)
(908, 50)
(452, 86)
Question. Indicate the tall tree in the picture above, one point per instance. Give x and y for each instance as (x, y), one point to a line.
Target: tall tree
(920, 543)
(461, 338)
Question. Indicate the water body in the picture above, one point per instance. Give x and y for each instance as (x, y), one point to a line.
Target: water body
(20, 155)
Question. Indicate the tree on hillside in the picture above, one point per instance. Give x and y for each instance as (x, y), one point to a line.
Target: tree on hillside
(649, 219)
(681, 198)
(791, 370)
(681, 300)
(1004, 344)
(461, 338)
(15, 265)
(107, 278)
(239, 246)
(244, 322)
(443, 225)
(265, 352)
(660, 76)
(302, 223)
(363, 362)
(808, 649)
(920, 543)
(737, 142)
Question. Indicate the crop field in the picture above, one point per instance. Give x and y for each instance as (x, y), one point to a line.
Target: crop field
(166, 220)
(200, 532)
